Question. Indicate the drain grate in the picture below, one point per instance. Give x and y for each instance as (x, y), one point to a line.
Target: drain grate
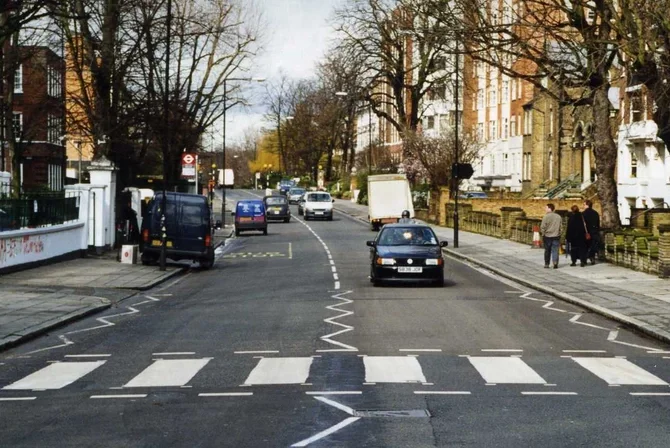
(412, 413)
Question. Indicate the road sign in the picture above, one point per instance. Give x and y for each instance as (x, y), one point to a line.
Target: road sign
(188, 166)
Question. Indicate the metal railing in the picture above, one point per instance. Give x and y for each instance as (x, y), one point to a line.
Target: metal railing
(18, 214)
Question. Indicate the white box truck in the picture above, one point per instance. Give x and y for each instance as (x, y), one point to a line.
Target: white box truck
(388, 196)
(227, 177)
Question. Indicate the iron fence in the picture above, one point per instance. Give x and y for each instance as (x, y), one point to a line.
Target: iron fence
(23, 213)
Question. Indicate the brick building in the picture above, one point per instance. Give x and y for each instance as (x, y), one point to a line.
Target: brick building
(38, 115)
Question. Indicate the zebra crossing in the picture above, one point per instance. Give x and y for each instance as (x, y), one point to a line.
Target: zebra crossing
(357, 371)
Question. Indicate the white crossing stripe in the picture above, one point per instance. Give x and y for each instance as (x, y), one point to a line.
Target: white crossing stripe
(280, 371)
(55, 376)
(168, 372)
(393, 369)
(505, 370)
(619, 371)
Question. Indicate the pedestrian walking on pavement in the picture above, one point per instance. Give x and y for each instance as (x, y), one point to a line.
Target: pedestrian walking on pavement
(592, 219)
(576, 237)
(551, 235)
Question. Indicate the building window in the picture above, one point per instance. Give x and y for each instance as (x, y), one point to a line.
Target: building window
(551, 120)
(505, 92)
(18, 124)
(54, 129)
(527, 121)
(481, 165)
(505, 129)
(493, 96)
(493, 130)
(55, 82)
(512, 127)
(493, 163)
(444, 124)
(18, 80)
(480, 132)
(636, 107)
(551, 165)
(480, 99)
(440, 63)
(505, 164)
(430, 122)
(513, 92)
(633, 165)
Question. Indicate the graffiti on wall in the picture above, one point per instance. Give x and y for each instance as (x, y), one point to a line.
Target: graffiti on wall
(20, 245)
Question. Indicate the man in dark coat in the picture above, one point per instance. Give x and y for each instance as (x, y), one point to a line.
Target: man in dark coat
(576, 236)
(592, 219)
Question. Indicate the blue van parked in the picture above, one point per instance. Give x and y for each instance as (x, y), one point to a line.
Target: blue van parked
(189, 229)
(250, 215)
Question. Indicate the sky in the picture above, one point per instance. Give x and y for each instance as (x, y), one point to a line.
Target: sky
(295, 39)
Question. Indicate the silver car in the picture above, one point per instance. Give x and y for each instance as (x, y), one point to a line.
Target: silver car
(294, 195)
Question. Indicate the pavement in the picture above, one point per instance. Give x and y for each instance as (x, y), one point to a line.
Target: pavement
(634, 298)
(285, 342)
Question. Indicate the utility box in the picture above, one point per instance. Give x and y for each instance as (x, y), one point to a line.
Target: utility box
(129, 253)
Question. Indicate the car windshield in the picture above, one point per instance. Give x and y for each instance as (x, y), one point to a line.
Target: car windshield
(407, 236)
(319, 197)
(297, 191)
(275, 201)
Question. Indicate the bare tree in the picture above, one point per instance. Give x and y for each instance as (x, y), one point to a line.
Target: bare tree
(401, 51)
(566, 49)
(278, 99)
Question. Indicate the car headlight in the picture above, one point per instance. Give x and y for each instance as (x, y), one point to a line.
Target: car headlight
(385, 261)
(434, 262)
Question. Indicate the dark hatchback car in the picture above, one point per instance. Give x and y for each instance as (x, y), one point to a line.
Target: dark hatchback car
(277, 208)
(250, 215)
(406, 252)
(188, 226)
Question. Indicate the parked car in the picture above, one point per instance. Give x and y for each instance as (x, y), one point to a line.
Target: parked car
(318, 205)
(277, 208)
(406, 252)
(301, 204)
(188, 226)
(250, 215)
(294, 195)
(473, 195)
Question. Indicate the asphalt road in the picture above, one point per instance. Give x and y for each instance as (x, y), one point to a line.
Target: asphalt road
(285, 342)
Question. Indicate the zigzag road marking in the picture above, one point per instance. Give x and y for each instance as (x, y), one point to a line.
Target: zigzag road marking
(345, 328)
(105, 323)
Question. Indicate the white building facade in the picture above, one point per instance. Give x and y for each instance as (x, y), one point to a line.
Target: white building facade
(643, 170)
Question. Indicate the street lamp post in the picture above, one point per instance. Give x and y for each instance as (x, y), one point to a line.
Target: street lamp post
(456, 151)
(223, 164)
(166, 142)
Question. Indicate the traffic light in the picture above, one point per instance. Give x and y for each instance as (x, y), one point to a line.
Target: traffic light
(462, 171)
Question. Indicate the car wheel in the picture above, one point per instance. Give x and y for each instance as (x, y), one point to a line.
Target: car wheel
(265, 231)
(330, 218)
(237, 232)
(306, 218)
(207, 263)
(287, 220)
(439, 282)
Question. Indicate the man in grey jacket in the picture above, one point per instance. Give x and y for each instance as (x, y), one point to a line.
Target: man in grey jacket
(551, 234)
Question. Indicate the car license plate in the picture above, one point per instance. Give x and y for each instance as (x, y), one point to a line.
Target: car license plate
(245, 219)
(410, 269)
(276, 212)
(158, 243)
(318, 213)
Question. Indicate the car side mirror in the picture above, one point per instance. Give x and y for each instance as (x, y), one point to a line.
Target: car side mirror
(371, 243)
(444, 243)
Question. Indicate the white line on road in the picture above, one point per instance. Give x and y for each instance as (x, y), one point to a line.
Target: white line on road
(333, 268)
(442, 392)
(280, 371)
(327, 432)
(337, 285)
(290, 251)
(650, 394)
(393, 369)
(548, 393)
(502, 350)
(55, 376)
(334, 392)
(505, 370)
(173, 353)
(335, 404)
(255, 352)
(168, 372)
(17, 398)
(119, 396)
(226, 394)
(89, 356)
(335, 276)
(616, 371)
(420, 350)
(584, 351)
(658, 352)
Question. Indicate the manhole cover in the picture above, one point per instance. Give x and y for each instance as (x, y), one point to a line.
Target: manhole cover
(413, 413)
